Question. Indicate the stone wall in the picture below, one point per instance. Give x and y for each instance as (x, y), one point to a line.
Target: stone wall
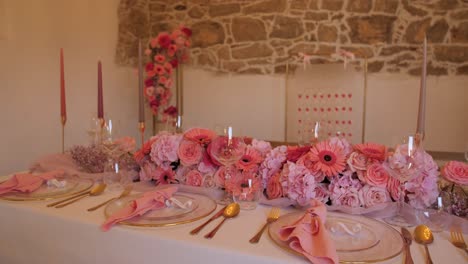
(260, 36)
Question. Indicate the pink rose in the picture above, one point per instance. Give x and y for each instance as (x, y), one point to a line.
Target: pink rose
(295, 152)
(456, 171)
(220, 176)
(274, 189)
(190, 152)
(194, 178)
(376, 175)
(349, 198)
(371, 195)
(357, 161)
(394, 188)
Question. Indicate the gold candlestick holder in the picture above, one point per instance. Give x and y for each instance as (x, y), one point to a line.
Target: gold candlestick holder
(141, 127)
(63, 120)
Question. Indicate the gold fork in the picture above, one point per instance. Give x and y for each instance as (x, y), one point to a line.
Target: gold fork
(272, 216)
(458, 241)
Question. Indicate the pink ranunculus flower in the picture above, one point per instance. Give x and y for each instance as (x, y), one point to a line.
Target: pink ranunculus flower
(164, 176)
(194, 178)
(372, 150)
(274, 189)
(190, 153)
(126, 144)
(250, 159)
(159, 58)
(456, 172)
(376, 175)
(262, 146)
(357, 161)
(372, 195)
(164, 149)
(394, 188)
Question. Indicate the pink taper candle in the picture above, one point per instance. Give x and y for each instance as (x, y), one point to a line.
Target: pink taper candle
(422, 93)
(141, 109)
(100, 109)
(63, 105)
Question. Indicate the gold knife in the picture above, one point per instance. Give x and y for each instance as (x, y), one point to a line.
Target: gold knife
(198, 229)
(407, 238)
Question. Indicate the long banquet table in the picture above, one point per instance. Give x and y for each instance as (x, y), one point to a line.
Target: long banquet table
(33, 233)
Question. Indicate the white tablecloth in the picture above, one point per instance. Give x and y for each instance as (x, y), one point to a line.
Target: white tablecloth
(33, 233)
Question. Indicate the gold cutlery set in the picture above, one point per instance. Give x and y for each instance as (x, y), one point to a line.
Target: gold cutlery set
(230, 211)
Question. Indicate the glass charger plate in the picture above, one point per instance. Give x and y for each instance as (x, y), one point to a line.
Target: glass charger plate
(375, 242)
(74, 185)
(201, 207)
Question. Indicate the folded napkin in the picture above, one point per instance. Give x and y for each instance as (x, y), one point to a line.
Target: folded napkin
(27, 182)
(149, 201)
(309, 236)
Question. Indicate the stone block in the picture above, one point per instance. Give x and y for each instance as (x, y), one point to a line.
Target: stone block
(371, 29)
(207, 33)
(287, 27)
(248, 29)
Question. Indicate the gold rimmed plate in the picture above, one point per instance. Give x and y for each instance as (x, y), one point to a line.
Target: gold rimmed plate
(170, 216)
(74, 185)
(376, 241)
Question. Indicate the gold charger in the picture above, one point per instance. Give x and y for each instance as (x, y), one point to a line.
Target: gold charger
(201, 207)
(74, 185)
(376, 241)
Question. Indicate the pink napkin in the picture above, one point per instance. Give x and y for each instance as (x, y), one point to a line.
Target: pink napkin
(309, 236)
(27, 182)
(149, 201)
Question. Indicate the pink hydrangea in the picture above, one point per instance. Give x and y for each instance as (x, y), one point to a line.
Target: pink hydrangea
(273, 163)
(422, 190)
(298, 183)
(164, 149)
(263, 147)
(343, 144)
(345, 190)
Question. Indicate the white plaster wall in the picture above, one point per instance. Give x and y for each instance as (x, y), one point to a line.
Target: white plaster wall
(35, 30)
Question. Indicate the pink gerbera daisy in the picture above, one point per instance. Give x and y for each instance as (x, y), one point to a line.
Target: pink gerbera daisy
(250, 159)
(164, 176)
(201, 135)
(328, 158)
(372, 150)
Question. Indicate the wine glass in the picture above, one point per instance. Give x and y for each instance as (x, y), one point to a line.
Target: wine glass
(227, 150)
(116, 176)
(403, 165)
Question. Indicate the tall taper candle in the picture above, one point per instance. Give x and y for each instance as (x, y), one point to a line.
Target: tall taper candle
(141, 109)
(100, 107)
(63, 105)
(422, 93)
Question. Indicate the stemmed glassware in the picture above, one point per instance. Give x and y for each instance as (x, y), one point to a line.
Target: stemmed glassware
(227, 150)
(404, 164)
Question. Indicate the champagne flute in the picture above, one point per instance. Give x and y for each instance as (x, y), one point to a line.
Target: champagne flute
(404, 164)
(227, 150)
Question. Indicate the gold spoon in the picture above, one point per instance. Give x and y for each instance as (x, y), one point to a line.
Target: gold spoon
(124, 193)
(423, 235)
(231, 211)
(96, 190)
